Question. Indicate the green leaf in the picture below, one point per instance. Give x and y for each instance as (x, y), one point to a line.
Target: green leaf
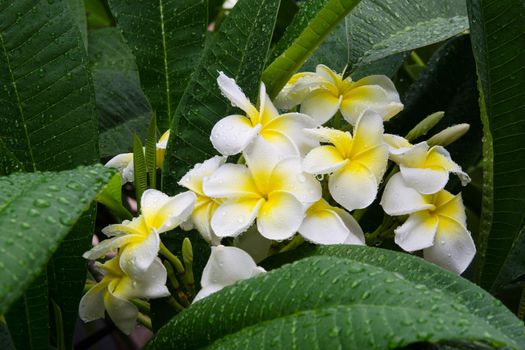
(98, 16)
(328, 302)
(48, 112)
(111, 197)
(79, 16)
(6, 342)
(151, 152)
(67, 274)
(167, 37)
(139, 169)
(325, 20)
(239, 49)
(498, 40)
(123, 107)
(40, 209)
(478, 301)
(448, 83)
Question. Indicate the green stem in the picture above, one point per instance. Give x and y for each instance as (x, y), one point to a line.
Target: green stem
(142, 305)
(293, 244)
(145, 321)
(172, 258)
(173, 302)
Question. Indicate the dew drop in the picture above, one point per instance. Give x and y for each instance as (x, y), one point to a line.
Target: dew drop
(41, 203)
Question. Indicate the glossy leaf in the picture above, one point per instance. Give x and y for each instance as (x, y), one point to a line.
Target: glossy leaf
(40, 209)
(79, 17)
(498, 42)
(167, 37)
(48, 113)
(324, 301)
(239, 49)
(111, 197)
(123, 107)
(139, 169)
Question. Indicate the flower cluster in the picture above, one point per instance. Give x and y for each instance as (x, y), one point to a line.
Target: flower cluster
(298, 175)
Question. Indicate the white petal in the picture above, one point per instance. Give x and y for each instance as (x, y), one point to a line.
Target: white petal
(298, 87)
(280, 217)
(292, 125)
(150, 284)
(417, 232)
(453, 249)
(233, 92)
(201, 218)
(253, 243)
(356, 235)
(323, 225)
(235, 216)
(124, 164)
(438, 156)
(232, 134)
(164, 213)
(230, 180)
(137, 257)
(321, 105)
(163, 141)
(122, 312)
(400, 199)
(91, 305)
(425, 181)
(109, 245)
(226, 266)
(327, 73)
(323, 160)
(353, 186)
(193, 178)
(288, 176)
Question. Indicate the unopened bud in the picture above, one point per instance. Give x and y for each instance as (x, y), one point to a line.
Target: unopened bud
(187, 252)
(448, 135)
(424, 126)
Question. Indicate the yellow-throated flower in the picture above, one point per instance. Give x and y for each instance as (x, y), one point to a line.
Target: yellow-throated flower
(114, 291)
(138, 240)
(323, 93)
(356, 164)
(436, 223)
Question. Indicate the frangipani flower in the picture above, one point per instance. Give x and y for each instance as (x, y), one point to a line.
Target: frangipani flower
(436, 223)
(114, 291)
(138, 240)
(234, 133)
(124, 162)
(323, 93)
(204, 206)
(356, 164)
(424, 168)
(226, 266)
(276, 195)
(325, 224)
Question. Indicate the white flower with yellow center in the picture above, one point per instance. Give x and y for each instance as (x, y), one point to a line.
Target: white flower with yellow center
(138, 240)
(232, 134)
(124, 162)
(424, 168)
(226, 266)
(436, 223)
(326, 224)
(274, 193)
(356, 164)
(204, 206)
(323, 93)
(114, 291)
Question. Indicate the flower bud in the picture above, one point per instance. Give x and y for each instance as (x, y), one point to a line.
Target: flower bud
(424, 126)
(448, 135)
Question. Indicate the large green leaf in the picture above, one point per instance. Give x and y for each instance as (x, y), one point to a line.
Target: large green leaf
(167, 37)
(239, 49)
(79, 16)
(326, 302)
(39, 210)
(48, 113)
(305, 41)
(123, 107)
(498, 40)
(478, 301)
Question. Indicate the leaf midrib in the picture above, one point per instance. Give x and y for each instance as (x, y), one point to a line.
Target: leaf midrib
(165, 59)
(18, 103)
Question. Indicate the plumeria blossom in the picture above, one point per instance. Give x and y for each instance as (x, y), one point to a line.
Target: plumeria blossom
(323, 93)
(436, 223)
(226, 266)
(124, 162)
(424, 168)
(138, 239)
(326, 224)
(356, 163)
(276, 193)
(114, 291)
(234, 133)
(204, 206)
